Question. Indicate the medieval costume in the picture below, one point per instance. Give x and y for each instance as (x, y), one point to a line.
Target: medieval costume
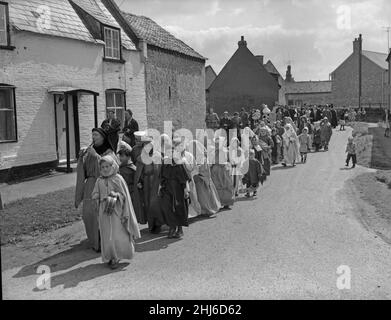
(87, 174)
(192, 169)
(291, 146)
(236, 159)
(146, 181)
(221, 173)
(174, 194)
(266, 144)
(206, 191)
(117, 221)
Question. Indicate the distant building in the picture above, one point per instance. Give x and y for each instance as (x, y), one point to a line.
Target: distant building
(347, 82)
(210, 76)
(243, 82)
(302, 93)
(174, 73)
(307, 93)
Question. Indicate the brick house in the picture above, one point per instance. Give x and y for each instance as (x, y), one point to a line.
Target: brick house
(174, 73)
(361, 79)
(63, 64)
(243, 82)
(210, 76)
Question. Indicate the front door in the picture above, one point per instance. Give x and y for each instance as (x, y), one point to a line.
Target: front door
(61, 129)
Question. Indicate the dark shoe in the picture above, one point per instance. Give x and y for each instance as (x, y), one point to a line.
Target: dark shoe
(353, 166)
(171, 233)
(254, 194)
(114, 265)
(283, 164)
(347, 165)
(178, 234)
(248, 195)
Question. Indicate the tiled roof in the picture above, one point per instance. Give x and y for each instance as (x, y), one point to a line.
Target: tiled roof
(308, 87)
(155, 35)
(269, 66)
(377, 57)
(64, 21)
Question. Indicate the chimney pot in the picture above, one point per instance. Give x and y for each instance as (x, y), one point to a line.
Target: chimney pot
(242, 43)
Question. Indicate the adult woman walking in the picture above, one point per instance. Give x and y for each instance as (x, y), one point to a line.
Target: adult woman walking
(291, 146)
(87, 174)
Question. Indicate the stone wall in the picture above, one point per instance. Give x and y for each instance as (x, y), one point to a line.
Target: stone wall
(175, 87)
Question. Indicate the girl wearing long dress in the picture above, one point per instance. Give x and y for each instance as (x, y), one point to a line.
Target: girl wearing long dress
(291, 146)
(87, 174)
(191, 167)
(267, 145)
(147, 179)
(206, 191)
(117, 220)
(237, 159)
(220, 172)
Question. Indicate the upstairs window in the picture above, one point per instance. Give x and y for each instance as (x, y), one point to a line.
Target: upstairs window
(115, 102)
(4, 34)
(112, 43)
(7, 114)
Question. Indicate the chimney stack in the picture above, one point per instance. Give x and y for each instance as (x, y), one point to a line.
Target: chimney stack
(242, 43)
(288, 76)
(357, 44)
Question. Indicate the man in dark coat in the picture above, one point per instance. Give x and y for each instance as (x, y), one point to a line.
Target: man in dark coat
(334, 117)
(130, 127)
(112, 126)
(245, 118)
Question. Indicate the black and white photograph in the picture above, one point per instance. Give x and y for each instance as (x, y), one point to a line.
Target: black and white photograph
(182, 150)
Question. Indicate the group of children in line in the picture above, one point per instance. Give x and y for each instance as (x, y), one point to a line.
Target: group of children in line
(169, 184)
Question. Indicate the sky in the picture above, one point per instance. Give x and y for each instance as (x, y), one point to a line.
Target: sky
(314, 36)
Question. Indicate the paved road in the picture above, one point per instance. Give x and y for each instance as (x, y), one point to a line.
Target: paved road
(287, 243)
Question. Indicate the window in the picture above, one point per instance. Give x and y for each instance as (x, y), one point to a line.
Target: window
(4, 35)
(112, 43)
(7, 114)
(115, 101)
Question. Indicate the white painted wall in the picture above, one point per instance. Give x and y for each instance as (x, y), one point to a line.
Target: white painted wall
(40, 62)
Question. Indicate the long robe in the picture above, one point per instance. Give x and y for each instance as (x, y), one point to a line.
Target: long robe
(148, 176)
(221, 177)
(174, 206)
(117, 236)
(192, 170)
(87, 174)
(291, 147)
(206, 191)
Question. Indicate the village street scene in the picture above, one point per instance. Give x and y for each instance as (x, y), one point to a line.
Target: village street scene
(170, 150)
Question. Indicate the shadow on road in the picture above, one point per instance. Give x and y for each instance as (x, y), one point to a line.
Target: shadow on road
(72, 278)
(61, 261)
(154, 242)
(282, 168)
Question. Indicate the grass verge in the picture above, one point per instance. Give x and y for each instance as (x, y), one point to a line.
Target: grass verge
(32, 216)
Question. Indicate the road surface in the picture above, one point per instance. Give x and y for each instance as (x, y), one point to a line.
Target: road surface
(285, 244)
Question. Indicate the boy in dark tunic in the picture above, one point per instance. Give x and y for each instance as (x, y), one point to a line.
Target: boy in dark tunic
(174, 194)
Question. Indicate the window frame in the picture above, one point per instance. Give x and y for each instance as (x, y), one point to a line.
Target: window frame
(112, 30)
(7, 46)
(114, 92)
(13, 95)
